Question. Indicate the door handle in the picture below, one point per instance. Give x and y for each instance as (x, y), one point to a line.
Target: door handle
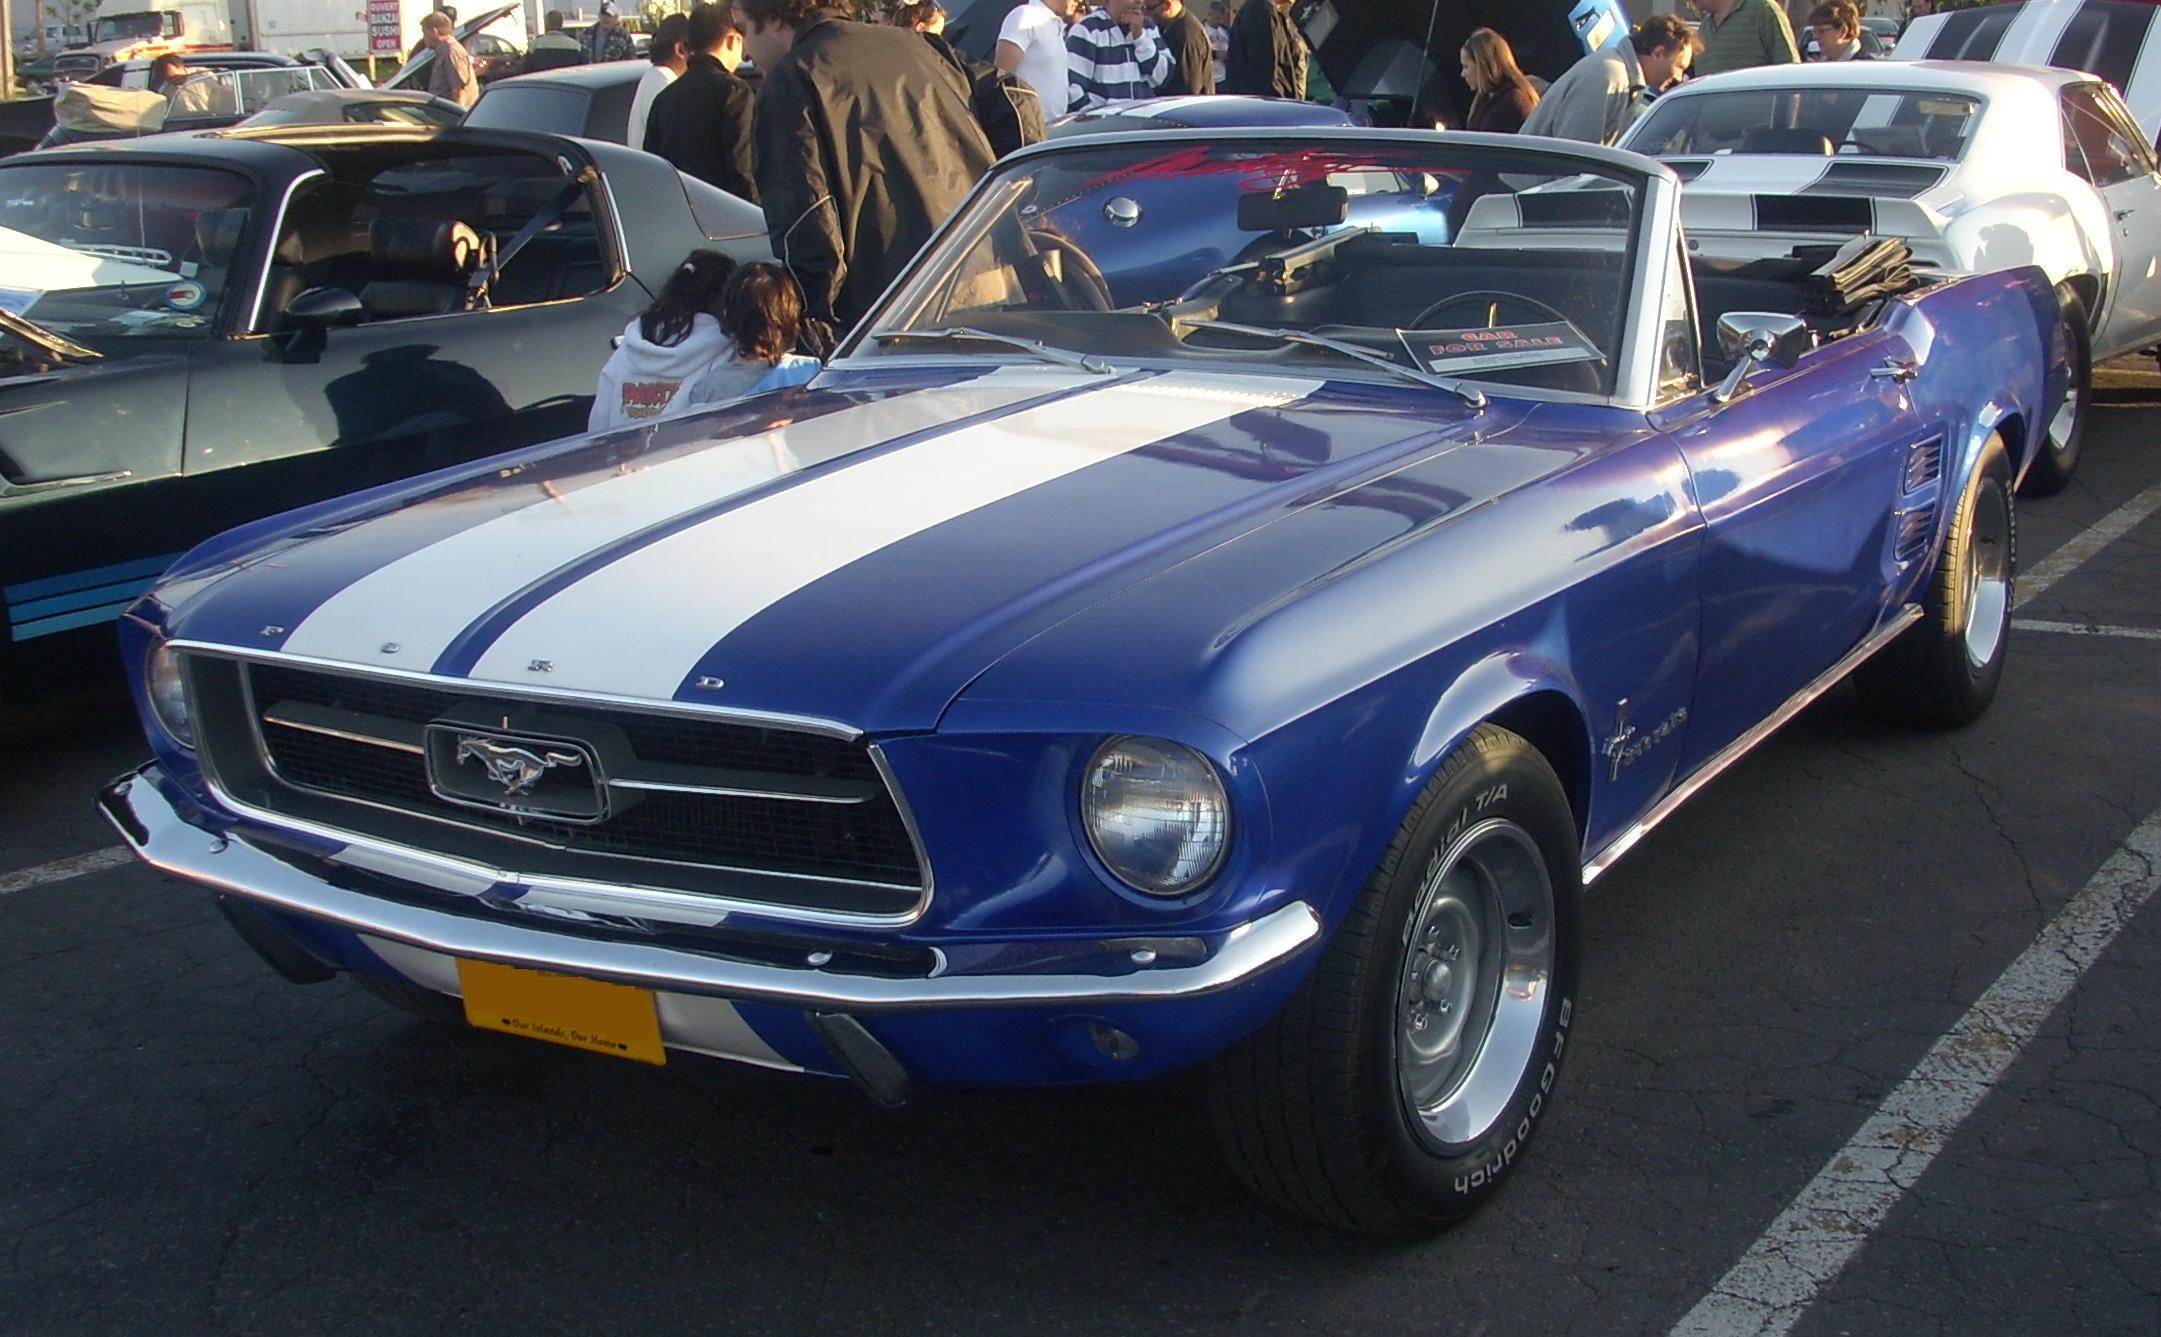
(1895, 370)
(2122, 214)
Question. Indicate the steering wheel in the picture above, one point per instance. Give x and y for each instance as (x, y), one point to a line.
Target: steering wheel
(1082, 287)
(1491, 303)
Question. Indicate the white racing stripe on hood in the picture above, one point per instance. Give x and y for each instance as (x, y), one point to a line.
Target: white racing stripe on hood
(638, 626)
(423, 600)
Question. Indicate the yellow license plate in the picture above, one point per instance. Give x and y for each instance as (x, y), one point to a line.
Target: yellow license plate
(615, 1019)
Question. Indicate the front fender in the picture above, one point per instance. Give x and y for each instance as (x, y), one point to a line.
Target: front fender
(1528, 692)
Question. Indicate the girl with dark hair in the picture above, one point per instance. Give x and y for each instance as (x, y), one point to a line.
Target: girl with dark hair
(1501, 96)
(762, 311)
(675, 342)
(921, 15)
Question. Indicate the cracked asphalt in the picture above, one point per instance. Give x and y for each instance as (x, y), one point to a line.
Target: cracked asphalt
(190, 1145)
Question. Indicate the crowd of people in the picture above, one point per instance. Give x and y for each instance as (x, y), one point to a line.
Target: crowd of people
(868, 129)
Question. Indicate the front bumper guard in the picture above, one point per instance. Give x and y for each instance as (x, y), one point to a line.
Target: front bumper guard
(139, 807)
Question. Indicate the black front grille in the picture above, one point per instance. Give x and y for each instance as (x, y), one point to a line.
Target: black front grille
(77, 67)
(812, 821)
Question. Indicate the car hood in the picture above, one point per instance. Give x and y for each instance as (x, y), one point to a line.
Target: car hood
(859, 553)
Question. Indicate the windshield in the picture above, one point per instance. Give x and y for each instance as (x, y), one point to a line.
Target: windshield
(1880, 123)
(1493, 265)
(118, 252)
(127, 27)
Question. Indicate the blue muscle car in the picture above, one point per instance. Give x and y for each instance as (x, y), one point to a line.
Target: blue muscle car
(1078, 682)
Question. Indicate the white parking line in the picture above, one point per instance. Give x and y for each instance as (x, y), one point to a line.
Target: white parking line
(60, 870)
(2084, 629)
(2060, 563)
(1819, 1233)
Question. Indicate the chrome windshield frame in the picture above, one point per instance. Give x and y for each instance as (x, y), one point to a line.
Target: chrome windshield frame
(1655, 230)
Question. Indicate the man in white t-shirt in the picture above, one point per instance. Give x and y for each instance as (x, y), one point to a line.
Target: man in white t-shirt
(1031, 44)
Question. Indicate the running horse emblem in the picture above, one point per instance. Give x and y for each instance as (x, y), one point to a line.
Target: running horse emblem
(516, 769)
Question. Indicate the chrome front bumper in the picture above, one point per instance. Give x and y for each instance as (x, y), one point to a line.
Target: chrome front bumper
(1149, 970)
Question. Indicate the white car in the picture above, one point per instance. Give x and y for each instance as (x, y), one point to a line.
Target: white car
(2114, 40)
(1978, 167)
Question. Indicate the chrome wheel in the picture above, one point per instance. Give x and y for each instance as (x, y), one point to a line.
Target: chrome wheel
(1477, 966)
(1988, 574)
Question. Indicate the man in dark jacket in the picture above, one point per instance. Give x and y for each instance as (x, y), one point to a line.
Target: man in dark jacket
(1178, 28)
(704, 122)
(1268, 53)
(866, 142)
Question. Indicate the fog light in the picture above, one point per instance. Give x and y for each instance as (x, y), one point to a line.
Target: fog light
(1114, 1043)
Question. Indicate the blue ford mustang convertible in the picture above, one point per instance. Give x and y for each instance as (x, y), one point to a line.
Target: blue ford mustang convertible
(1090, 676)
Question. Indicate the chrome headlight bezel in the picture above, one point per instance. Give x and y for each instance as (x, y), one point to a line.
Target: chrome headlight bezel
(165, 688)
(1136, 793)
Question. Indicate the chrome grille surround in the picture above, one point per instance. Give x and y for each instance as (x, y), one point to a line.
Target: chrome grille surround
(244, 771)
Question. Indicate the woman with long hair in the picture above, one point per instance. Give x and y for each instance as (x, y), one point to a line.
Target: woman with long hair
(1501, 97)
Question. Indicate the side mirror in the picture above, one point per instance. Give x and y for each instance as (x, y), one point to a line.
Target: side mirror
(1752, 338)
(324, 308)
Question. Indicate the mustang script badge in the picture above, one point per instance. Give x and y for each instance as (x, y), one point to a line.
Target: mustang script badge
(516, 769)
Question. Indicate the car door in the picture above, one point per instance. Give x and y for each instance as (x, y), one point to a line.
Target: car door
(2105, 147)
(1800, 481)
(332, 410)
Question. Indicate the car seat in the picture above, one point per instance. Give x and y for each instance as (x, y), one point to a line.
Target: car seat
(421, 266)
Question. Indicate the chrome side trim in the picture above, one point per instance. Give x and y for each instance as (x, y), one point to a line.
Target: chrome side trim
(1742, 746)
(488, 686)
(138, 808)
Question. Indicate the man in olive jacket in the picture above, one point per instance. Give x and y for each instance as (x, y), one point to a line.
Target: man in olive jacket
(867, 140)
(1268, 54)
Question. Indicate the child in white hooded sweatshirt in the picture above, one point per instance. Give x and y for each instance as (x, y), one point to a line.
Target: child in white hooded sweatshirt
(671, 345)
(762, 310)
(715, 332)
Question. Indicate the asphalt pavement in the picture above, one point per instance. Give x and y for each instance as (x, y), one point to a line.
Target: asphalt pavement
(190, 1145)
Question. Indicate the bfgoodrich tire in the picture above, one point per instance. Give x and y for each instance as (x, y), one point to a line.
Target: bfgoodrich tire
(2066, 435)
(1943, 672)
(1406, 1077)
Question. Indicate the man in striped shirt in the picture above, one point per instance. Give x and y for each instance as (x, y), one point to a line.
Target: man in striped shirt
(1113, 56)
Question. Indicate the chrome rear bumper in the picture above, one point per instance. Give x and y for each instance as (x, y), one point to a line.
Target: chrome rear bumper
(1149, 970)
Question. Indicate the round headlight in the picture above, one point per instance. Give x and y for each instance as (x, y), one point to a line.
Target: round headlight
(168, 694)
(1156, 814)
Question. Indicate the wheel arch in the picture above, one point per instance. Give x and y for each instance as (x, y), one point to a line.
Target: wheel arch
(1528, 696)
(2089, 288)
(2018, 442)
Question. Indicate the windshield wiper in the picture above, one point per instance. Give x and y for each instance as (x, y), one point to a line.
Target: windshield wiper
(1064, 357)
(45, 341)
(1470, 395)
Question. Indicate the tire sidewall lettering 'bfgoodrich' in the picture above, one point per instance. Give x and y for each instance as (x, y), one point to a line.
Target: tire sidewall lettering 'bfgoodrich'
(1310, 1111)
